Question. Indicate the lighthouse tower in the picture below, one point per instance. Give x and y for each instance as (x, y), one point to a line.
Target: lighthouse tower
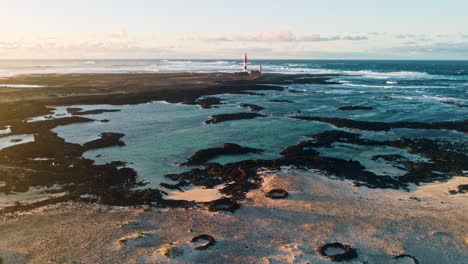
(245, 62)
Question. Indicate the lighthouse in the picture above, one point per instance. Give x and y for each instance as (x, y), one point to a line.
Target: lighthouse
(245, 62)
(244, 71)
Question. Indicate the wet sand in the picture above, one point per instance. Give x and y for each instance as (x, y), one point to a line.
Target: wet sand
(378, 224)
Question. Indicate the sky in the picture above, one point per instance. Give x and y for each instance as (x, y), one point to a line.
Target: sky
(178, 29)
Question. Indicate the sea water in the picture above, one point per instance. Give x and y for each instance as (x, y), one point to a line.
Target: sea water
(159, 135)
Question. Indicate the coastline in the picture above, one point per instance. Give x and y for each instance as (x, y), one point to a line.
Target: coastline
(85, 218)
(115, 89)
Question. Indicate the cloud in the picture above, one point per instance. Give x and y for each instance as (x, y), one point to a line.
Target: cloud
(410, 36)
(355, 38)
(436, 49)
(210, 38)
(9, 45)
(119, 34)
(410, 43)
(284, 36)
(465, 36)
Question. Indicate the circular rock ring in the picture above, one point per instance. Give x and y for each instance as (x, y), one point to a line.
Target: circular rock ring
(349, 252)
(277, 194)
(224, 204)
(406, 256)
(211, 241)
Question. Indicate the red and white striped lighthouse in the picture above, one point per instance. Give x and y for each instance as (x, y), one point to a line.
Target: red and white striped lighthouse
(245, 62)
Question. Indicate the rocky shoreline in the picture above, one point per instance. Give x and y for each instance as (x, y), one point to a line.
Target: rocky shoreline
(111, 183)
(114, 184)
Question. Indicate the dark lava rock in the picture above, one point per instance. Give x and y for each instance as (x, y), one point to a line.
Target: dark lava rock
(106, 140)
(223, 205)
(395, 159)
(302, 149)
(453, 103)
(461, 126)
(253, 107)
(328, 137)
(210, 241)
(209, 102)
(202, 156)
(16, 140)
(295, 91)
(348, 254)
(239, 177)
(94, 112)
(109, 183)
(73, 110)
(443, 160)
(277, 194)
(463, 188)
(354, 107)
(406, 256)
(177, 186)
(280, 101)
(234, 116)
(197, 177)
(21, 128)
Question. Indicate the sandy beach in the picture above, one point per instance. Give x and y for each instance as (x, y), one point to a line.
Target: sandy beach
(378, 224)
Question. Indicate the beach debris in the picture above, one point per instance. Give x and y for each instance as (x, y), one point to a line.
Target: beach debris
(403, 257)
(223, 205)
(210, 241)
(337, 251)
(171, 250)
(277, 194)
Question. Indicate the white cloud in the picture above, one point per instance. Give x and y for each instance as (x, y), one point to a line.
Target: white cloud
(284, 36)
(440, 49)
(119, 34)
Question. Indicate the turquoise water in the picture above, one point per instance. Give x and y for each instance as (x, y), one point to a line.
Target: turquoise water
(159, 135)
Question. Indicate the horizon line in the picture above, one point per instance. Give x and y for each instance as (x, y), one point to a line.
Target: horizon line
(284, 59)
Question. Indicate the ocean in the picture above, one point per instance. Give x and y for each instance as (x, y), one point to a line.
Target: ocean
(159, 135)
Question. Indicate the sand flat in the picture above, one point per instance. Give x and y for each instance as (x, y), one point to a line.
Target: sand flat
(377, 223)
